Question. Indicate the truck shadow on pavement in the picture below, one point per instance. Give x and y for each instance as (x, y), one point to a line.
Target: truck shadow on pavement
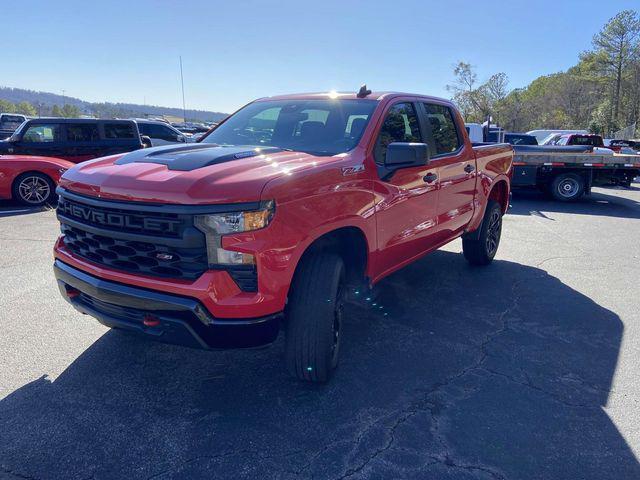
(532, 202)
(455, 372)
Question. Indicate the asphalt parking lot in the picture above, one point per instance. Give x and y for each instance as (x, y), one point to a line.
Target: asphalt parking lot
(525, 369)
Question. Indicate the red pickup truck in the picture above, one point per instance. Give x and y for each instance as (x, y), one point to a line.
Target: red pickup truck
(277, 217)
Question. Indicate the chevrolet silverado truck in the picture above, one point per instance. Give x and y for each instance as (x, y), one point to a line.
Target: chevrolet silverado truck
(275, 219)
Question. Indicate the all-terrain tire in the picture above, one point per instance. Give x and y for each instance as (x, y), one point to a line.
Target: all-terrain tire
(314, 317)
(481, 250)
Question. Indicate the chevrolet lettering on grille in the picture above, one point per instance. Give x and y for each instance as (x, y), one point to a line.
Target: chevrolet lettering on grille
(116, 219)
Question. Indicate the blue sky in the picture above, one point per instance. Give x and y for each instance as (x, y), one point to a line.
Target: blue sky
(234, 51)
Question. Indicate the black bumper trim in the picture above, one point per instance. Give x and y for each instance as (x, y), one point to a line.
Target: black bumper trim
(183, 320)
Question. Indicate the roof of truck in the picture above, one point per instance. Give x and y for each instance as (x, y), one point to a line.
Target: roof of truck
(347, 96)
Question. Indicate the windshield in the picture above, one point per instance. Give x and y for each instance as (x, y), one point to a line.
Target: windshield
(319, 127)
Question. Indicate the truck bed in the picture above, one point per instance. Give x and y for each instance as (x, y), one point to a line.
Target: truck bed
(560, 159)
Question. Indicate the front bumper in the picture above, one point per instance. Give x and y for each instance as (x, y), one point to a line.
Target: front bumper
(163, 317)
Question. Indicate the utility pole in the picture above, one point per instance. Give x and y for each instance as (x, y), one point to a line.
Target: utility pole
(64, 101)
(184, 109)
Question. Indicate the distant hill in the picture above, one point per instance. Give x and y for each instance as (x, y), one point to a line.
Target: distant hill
(46, 100)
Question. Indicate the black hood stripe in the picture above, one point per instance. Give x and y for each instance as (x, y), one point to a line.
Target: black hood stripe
(190, 157)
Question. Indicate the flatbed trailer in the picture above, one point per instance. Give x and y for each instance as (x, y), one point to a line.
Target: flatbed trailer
(566, 176)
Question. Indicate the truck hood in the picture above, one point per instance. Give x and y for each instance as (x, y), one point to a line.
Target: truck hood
(194, 174)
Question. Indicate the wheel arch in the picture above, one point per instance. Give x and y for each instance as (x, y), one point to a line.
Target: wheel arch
(350, 243)
(500, 193)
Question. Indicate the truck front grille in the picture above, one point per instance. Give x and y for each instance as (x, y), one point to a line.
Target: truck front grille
(159, 241)
(153, 240)
(136, 256)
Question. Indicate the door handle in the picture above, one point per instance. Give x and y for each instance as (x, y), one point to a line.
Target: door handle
(430, 177)
(469, 168)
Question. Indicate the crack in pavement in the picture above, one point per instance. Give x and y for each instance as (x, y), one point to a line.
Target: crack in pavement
(529, 384)
(412, 410)
(402, 419)
(539, 264)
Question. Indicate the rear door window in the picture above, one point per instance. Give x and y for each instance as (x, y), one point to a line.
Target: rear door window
(444, 134)
(400, 125)
(42, 133)
(117, 131)
(82, 132)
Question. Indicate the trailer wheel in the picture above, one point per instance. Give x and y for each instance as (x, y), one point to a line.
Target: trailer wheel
(314, 318)
(481, 250)
(567, 187)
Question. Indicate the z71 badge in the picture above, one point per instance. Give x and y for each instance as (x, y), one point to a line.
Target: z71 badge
(352, 170)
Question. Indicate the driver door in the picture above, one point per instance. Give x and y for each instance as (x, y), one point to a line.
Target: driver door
(406, 199)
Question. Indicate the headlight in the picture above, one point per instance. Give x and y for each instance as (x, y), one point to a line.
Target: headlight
(216, 225)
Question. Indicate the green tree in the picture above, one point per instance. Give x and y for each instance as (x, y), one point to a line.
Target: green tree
(26, 108)
(56, 111)
(463, 87)
(7, 107)
(617, 46)
(477, 101)
(601, 92)
(70, 111)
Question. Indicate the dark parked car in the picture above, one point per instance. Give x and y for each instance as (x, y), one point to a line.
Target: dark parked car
(520, 139)
(9, 122)
(619, 145)
(73, 139)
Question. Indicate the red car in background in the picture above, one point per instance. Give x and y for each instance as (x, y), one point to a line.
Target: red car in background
(30, 180)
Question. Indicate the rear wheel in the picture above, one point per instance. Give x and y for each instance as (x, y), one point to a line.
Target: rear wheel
(33, 189)
(567, 187)
(314, 318)
(481, 250)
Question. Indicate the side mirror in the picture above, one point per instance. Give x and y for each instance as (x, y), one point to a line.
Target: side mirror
(146, 141)
(181, 139)
(403, 155)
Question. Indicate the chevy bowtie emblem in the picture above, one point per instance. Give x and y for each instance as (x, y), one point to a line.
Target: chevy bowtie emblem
(164, 256)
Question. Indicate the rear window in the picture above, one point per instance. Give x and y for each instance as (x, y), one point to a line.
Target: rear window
(82, 132)
(443, 128)
(115, 131)
(586, 140)
(521, 139)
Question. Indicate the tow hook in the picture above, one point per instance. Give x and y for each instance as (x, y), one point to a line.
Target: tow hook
(151, 320)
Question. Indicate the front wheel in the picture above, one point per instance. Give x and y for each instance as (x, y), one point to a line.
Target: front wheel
(481, 250)
(33, 189)
(314, 318)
